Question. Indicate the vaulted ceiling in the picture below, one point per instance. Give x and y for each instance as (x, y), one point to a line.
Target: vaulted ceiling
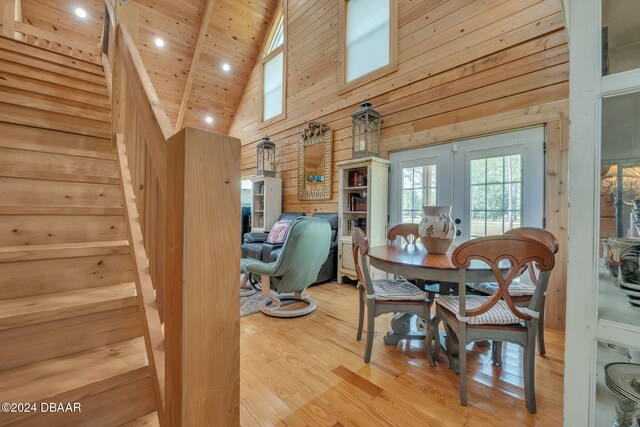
(232, 35)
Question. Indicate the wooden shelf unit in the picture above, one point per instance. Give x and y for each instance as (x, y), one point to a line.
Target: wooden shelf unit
(371, 210)
(266, 202)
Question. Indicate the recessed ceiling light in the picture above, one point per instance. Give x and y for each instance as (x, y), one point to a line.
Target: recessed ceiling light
(226, 66)
(208, 119)
(159, 42)
(81, 12)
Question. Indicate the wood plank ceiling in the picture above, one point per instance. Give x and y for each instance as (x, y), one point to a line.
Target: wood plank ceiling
(233, 36)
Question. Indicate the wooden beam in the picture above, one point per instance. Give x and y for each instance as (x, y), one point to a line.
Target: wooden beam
(204, 25)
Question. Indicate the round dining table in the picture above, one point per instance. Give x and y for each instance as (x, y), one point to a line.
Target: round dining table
(413, 260)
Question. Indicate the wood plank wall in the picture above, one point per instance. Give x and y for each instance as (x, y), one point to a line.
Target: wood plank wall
(465, 69)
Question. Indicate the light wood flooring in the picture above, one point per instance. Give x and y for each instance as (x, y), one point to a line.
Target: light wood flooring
(309, 372)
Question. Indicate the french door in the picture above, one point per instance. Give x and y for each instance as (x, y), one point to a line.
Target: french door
(493, 182)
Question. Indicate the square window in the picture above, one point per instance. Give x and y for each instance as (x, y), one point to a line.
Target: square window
(495, 169)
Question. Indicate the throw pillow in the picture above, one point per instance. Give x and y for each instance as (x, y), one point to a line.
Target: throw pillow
(279, 232)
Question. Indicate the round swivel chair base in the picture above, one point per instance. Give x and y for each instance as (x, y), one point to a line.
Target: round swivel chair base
(279, 312)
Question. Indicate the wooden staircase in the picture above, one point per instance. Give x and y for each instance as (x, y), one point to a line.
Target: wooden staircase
(71, 329)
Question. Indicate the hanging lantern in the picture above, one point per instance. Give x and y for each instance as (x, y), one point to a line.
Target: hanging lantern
(365, 132)
(266, 151)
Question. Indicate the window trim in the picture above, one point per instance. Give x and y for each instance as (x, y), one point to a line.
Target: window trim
(280, 12)
(392, 66)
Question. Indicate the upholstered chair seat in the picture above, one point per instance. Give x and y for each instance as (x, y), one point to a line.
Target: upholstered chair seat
(517, 288)
(397, 290)
(499, 314)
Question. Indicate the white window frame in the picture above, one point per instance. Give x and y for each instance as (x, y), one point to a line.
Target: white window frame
(267, 56)
(346, 86)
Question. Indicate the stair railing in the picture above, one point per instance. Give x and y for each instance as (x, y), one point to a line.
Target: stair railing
(183, 205)
(57, 43)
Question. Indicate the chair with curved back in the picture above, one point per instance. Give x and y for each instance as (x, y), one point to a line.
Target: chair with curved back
(496, 317)
(408, 233)
(522, 289)
(304, 251)
(385, 296)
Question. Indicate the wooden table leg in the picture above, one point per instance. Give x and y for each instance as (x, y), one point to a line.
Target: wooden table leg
(401, 329)
(449, 343)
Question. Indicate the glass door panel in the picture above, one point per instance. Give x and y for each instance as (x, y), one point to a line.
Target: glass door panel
(419, 188)
(619, 239)
(495, 195)
(420, 177)
(620, 36)
(499, 183)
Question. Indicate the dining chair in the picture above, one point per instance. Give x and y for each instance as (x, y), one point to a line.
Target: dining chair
(408, 233)
(497, 317)
(522, 288)
(385, 296)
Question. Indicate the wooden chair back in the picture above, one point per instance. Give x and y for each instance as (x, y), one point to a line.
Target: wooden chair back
(407, 232)
(541, 235)
(519, 251)
(360, 249)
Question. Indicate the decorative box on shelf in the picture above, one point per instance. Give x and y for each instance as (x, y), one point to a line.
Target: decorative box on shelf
(364, 187)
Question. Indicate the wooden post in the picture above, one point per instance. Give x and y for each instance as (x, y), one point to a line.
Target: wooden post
(127, 15)
(202, 324)
(8, 14)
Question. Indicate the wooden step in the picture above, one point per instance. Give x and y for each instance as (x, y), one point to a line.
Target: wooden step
(62, 250)
(27, 116)
(39, 192)
(60, 167)
(42, 64)
(30, 278)
(68, 81)
(50, 141)
(30, 99)
(59, 210)
(20, 312)
(20, 230)
(149, 420)
(17, 81)
(48, 55)
(37, 342)
(111, 383)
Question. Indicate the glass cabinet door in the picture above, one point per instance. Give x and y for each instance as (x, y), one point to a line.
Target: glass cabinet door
(619, 237)
(602, 360)
(620, 36)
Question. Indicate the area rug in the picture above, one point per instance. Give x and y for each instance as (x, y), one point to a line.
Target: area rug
(250, 304)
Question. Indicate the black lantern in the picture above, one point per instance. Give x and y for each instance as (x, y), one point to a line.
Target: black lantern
(266, 157)
(365, 132)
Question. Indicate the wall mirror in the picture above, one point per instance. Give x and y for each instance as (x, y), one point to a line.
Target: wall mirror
(314, 162)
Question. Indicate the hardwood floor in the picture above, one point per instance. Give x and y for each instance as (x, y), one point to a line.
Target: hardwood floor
(309, 372)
